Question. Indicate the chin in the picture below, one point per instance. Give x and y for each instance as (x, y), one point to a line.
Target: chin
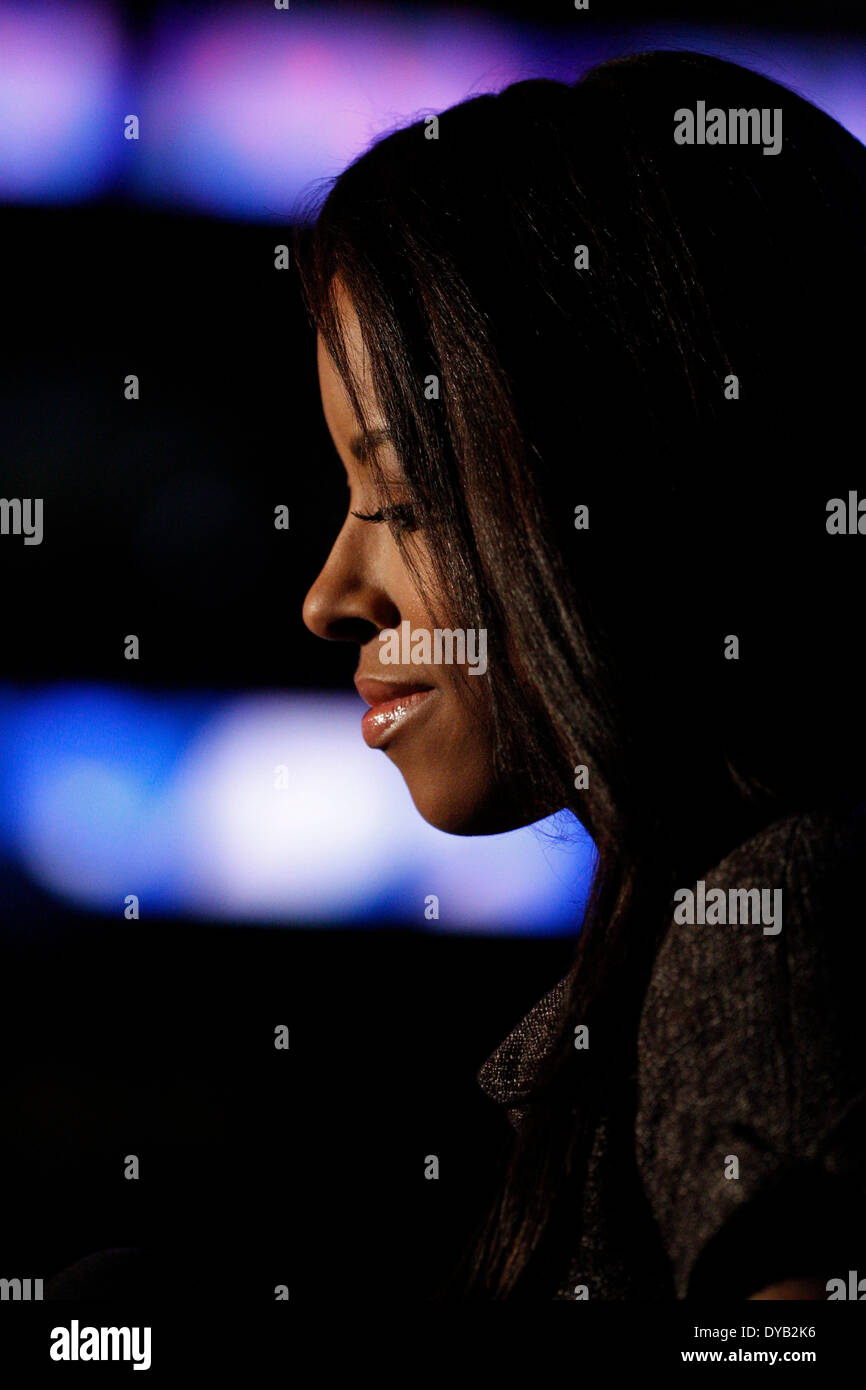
(463, 810)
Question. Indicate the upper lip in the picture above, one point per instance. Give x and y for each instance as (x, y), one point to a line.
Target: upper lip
(375, 691)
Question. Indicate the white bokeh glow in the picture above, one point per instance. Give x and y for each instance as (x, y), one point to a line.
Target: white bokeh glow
(109, 793)
(252, 844)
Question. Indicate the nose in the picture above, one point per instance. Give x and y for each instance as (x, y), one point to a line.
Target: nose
(347, 602)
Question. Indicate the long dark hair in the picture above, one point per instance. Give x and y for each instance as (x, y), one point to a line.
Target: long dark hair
(695, 386)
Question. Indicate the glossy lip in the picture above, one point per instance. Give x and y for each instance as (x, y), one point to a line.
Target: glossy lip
(392, 704)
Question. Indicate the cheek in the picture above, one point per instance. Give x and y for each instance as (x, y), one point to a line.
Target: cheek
(410, 603)
(401, 570)
(448, 768)
(448, 764)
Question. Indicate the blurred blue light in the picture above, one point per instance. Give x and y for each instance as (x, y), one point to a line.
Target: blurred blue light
(179, 801)
(245, 111)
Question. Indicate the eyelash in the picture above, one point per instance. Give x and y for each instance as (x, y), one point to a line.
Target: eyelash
(400, 516)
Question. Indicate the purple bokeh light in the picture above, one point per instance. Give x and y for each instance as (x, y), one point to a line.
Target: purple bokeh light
(61, 136)
(245, 113)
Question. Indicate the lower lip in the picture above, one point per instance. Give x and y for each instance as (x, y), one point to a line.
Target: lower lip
(381, 722)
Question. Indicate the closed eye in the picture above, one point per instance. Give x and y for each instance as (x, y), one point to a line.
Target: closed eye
(400, 516)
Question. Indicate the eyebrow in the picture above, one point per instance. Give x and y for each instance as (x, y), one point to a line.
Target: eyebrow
(368, 441)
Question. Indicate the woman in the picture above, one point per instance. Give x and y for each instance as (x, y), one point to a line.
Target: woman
(593, 374)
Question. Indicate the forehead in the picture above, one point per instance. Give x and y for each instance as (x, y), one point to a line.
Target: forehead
(335, 398)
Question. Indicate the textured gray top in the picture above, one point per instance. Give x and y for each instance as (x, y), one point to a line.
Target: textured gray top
(750, 1049)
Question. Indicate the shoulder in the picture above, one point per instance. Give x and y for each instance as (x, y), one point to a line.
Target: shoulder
(749, 1063)
(787, 902)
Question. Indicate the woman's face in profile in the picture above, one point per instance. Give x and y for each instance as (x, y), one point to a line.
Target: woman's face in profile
(421, 715)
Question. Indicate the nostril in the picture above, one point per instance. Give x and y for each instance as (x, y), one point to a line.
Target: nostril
(352, 630)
